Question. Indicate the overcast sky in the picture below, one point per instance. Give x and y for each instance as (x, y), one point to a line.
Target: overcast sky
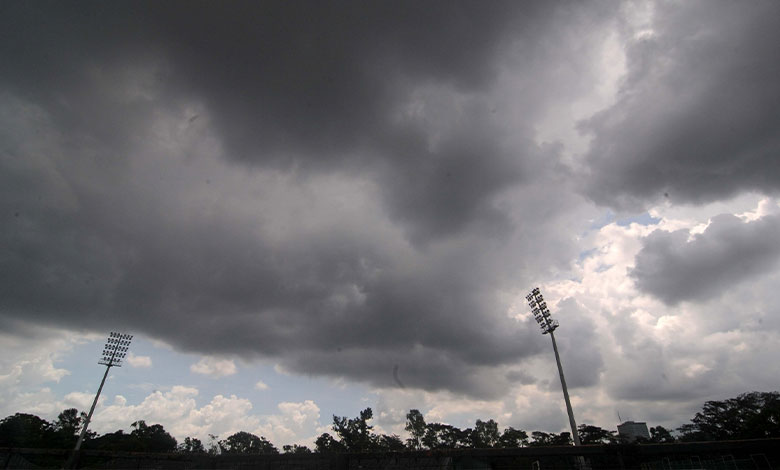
(302, 209)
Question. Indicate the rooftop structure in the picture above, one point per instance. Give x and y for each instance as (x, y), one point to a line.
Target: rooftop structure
(631, 431)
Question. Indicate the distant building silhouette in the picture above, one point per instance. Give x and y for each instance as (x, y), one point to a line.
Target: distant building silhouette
(631, 430)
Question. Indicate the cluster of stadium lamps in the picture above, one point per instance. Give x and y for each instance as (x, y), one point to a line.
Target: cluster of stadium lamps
(115, 349)
(540, 311)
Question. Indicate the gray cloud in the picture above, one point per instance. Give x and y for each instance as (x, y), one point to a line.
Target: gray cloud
(310, 87)
(349, 190)
(727, 253)
(338, 301)
(695, 120)
(328, 187)
(577, 338)
(339, 188)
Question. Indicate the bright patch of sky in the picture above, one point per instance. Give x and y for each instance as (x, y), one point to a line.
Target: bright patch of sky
(82, 374)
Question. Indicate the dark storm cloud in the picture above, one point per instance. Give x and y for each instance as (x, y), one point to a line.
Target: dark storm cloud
(334, 302)
(727, 253)
(311, 82)
(105, 227)
(305, 86)
(696, 117)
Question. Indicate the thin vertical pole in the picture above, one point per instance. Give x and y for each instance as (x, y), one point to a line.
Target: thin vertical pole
(572, 423)
(92, 410)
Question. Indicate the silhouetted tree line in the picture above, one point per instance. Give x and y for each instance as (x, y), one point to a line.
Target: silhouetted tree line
(751, 415)
(26, 430)
(748, 416)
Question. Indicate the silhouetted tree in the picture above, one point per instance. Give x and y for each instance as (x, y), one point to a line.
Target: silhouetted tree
(153, 438)
(116, 440)
(65, 430)
(68, 421)
(690, 433)
(512, 438)
(445, 436)
(246, 443)
(191, 445)
(485, 434)
(388, 443)
(295, 449)
(432, 439)
(415, 426)
(327, 444)
(550, 439)
(750, 415)
(562, 439)
(354, 434)
(25, 430)
(540, 438)
(590, 434)
(661, 435)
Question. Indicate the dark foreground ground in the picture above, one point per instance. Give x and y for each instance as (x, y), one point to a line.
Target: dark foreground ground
(755, 454)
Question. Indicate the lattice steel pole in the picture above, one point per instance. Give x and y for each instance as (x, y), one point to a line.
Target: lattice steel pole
(114, 351)
(548, 325)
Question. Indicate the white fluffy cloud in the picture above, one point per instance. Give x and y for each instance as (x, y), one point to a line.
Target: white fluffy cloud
(660, 362)
(28, 367)
(260, 385)
(296, 423)
(214, 367)
(139, 361)
(177, 410)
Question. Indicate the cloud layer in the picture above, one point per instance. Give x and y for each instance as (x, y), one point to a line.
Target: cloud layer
(364, 191)
(695, 119)
(336, 198)
(730, 251)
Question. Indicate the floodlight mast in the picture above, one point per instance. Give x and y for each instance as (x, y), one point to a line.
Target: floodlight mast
(548, 325)
(114, 351)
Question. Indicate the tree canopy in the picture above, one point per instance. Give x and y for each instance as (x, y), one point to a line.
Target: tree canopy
(152, 438)
(246, 443)
(327, 444)
(660, 435)
(550, 439)
(512, 437)
(191, 445)
(590, 434)
(485, 434)
(750, 415)
(355, 433)
(415, 426)
(296, 449)
(25, 430)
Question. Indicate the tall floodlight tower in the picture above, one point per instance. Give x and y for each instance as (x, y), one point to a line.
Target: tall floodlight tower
(548, 325)
(114, 351)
